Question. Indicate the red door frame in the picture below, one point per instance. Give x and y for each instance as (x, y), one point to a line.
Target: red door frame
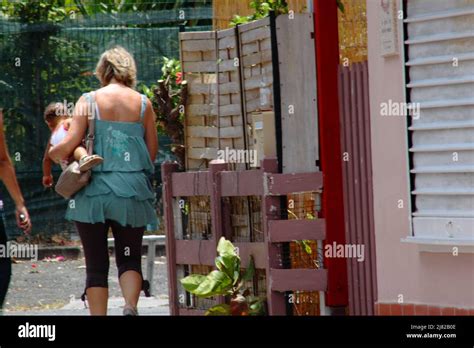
(327, 62)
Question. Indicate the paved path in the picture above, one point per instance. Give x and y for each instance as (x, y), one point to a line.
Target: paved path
(47, 287)
(146, 306)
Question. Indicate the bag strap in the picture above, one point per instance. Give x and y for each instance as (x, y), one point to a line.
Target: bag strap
(91, 124)
(143, 106)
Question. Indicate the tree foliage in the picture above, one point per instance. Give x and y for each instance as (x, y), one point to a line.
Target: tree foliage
(261, 9)
(41, 64)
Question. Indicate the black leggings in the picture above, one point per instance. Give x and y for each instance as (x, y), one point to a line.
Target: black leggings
(128, 251)
(5, 266)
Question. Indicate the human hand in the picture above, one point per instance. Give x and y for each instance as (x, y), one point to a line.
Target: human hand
(67, 124)
(48, 181)
(23, 218)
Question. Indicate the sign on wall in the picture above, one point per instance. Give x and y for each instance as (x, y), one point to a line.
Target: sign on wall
(388, 28)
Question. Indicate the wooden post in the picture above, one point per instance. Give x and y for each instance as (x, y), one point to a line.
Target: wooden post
(216, 205)
(327, 62)
(270, 209)
(167, 170)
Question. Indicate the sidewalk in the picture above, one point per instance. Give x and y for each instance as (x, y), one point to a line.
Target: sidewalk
(49, 287)
(146, 306)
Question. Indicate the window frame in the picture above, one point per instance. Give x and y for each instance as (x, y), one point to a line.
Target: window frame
(425, 244)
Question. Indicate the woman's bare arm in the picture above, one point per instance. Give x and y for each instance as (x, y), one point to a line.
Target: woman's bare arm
(151, 135)
(75, 134)
(8, 176)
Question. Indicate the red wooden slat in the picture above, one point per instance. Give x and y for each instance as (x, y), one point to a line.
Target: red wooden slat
(282, 184)
(195, 252)
(368, 299)
(354, 104)
(352, 199)
(216, 206)
(167, 170)
(371, 260)
(298, 279)
(190, 184)
(257, 249)
(290, 230)
(243, 183)
(369, 264)
(344, 92)
(203, 252)
(364, 297)
(191, 312)
(276, 300)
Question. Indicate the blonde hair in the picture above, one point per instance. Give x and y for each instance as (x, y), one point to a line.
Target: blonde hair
(117, 63)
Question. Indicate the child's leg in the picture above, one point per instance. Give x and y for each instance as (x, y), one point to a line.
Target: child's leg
(79, 152)
(86, 162)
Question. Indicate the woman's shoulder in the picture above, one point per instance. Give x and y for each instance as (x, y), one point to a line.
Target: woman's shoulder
(110, 90)
(118, 96)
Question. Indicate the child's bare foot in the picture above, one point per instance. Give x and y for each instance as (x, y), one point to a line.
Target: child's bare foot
(88, 162)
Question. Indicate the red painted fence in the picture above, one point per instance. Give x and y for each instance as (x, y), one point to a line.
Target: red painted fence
(218, 183)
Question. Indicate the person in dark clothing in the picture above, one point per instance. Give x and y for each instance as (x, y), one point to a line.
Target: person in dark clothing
(7, 175)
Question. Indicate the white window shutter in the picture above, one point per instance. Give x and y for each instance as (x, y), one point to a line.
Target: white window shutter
(440, 44)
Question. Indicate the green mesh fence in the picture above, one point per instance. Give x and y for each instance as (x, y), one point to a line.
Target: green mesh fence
(48, 52)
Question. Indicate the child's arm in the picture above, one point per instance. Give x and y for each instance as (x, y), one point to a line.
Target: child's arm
(47, 165)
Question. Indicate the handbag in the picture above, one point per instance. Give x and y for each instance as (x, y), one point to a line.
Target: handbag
(71, 179)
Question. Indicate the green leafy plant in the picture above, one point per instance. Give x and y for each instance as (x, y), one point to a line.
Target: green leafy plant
(169, 97)
(340, 5)
(227, 280)
(262, 9)
(305, 244)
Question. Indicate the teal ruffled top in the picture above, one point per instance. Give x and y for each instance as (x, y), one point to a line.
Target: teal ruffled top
(119, 189)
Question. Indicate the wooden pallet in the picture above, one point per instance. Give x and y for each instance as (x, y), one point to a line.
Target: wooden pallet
(214, 113)
(256, 70)
(230, 76)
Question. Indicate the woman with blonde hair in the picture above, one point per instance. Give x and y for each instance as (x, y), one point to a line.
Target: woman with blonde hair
(119, 195)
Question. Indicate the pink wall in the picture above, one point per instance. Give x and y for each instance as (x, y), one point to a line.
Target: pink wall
(428, 278)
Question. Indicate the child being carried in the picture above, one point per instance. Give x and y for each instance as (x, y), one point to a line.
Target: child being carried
(58, 122)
